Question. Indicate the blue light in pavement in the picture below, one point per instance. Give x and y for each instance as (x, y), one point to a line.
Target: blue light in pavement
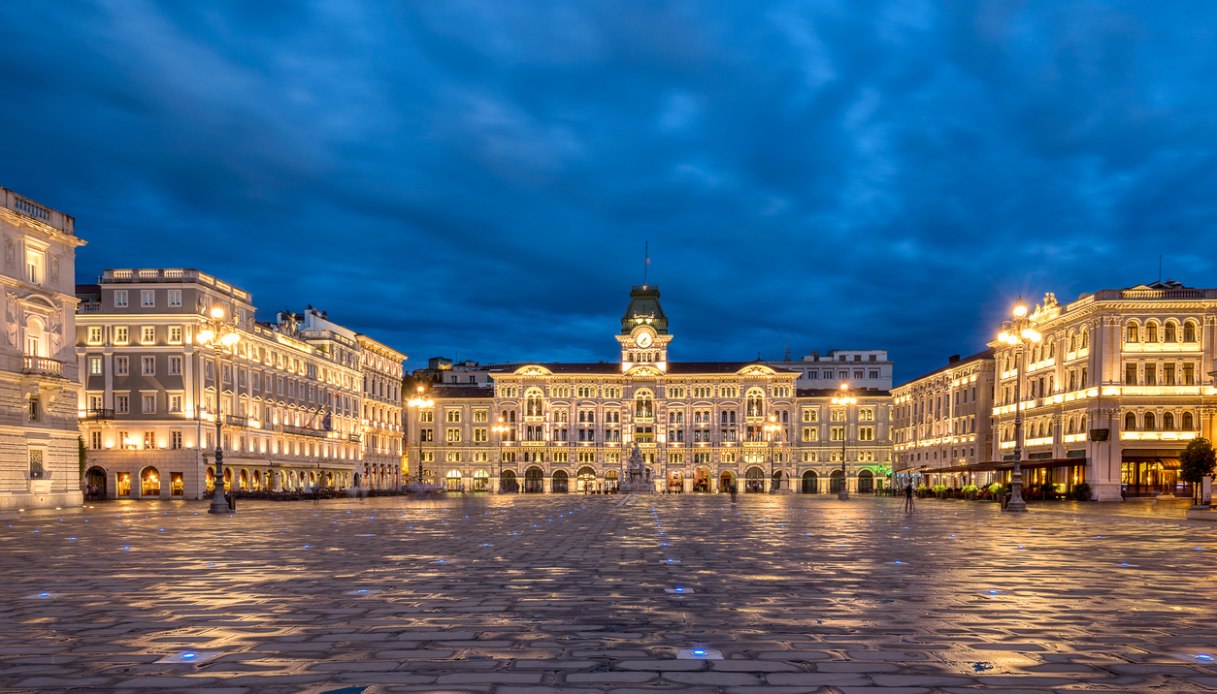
(679, 589)
(1204, 658)
(189, 655)
(44, 595)
(699, 652)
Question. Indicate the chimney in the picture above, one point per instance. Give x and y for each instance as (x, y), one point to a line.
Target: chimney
(953, 358)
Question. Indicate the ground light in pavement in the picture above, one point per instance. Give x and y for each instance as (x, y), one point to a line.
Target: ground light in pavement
(780, 591)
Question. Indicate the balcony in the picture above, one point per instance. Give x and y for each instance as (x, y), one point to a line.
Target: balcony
(303, 431)
(354, 438)
(98, 413)
(43, 366)
(235, 421)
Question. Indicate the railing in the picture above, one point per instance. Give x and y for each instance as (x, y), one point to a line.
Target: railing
(233, 420)
(99, 413)
(41, 365)
(88, 307)
(354, 438)
(172, 275)
(303, 431)
(24, 206)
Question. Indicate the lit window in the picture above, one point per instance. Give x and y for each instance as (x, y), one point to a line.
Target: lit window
(147, 298)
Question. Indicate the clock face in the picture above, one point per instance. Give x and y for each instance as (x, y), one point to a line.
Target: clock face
(644, 340)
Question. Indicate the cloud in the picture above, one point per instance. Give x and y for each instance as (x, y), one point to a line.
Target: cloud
(478, 178)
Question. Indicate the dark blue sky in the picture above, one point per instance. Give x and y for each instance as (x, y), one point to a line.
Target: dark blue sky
(477, 179)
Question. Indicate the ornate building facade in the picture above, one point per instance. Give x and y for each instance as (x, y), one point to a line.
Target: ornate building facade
(39, 450)
(291, 394)
(1118, 383)
(699, 426)
(942, 422)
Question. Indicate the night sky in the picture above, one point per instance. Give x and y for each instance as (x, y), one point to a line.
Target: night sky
(478, 179)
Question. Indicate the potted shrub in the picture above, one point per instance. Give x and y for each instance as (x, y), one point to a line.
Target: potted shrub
(970, 491)
(1081, 492)
(921, 491)
(939, 490)
(996, 490)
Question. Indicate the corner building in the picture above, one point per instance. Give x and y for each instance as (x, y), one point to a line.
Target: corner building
(39, 453)
(1118, 385)
(700, 426)
(291, 397)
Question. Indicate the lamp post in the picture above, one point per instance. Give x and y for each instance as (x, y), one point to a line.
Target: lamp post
(771, 429)
(845, 399)
(220, 337)
(501, 430)
(1018, 332)
(420, 401)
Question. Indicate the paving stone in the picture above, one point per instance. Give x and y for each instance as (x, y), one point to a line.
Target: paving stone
(798, 593)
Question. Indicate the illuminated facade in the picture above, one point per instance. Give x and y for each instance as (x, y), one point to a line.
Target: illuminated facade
(39, 461)
(943, 419)
(383, 426)
(700, 427)
(862, 369)
(1119, 382)
(292, 398)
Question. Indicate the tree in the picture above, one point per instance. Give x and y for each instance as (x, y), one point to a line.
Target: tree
(1197, 462)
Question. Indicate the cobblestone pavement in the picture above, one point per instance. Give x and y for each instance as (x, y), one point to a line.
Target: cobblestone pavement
(608, 593)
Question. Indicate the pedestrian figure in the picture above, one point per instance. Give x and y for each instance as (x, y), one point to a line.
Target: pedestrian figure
(733, 493)
(908, 498)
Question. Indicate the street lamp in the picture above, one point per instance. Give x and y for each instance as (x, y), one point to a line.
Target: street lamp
(501, 430)
(220, 337)
(1018, 332)
(419, 402)
(771, 430)
(845, 399)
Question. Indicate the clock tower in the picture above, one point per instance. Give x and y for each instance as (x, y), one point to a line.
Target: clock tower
(644, 334)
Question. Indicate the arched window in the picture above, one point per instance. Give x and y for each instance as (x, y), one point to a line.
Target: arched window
(1189, 331)
(35, 337)
(1151, 422)
(1151, 332)
(1073, 342)
(755, 403)
(1130, 422)
(644, 405)
(1131, 334)
(1052, 349)
(532, 403)
(1168, 421)
(1188, 422)
(1170, 333)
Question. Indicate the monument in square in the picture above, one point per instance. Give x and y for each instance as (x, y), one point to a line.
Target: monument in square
(637, 478)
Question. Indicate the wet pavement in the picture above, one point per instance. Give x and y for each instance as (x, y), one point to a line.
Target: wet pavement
(609, 593)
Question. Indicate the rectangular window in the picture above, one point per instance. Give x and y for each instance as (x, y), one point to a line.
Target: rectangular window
(95, 440)
(1130, 374)
(121, 335)
(94, 337)
(95, 366)
(148, 335)
(175, 365)
(148, 403)
(481, 435)
(147, 298)
(34, 266)
(1168, 375)
(175, 440)
(147, 366)
(35, 409)
(836, 434)
(149, 440)
(1151, 374)
(1189, 374)
(120, 298)
(175, 334)
(36, 470)
(120, 366)
(866, 433)
(810, 434)
(122, 404)
(175, 403)
(175, 298)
